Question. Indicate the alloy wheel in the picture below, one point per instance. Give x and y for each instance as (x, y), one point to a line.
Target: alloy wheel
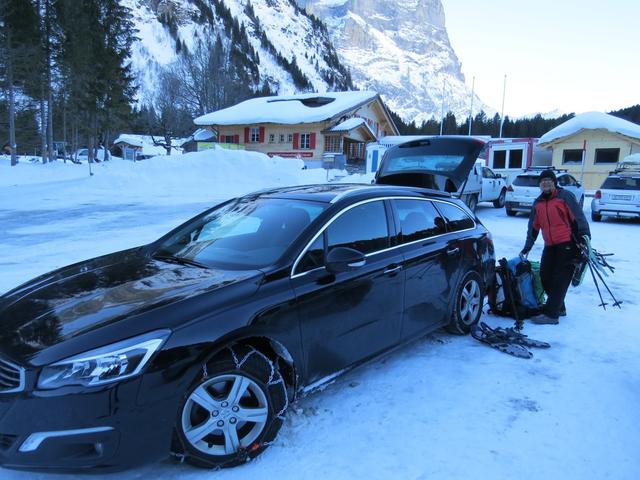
(470, 301)
(224, 414)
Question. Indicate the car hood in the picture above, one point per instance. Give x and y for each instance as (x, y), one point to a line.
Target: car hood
(92, 294)
(441, 163)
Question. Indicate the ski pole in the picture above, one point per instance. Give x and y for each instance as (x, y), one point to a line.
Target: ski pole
(616, 303)
(595, 282)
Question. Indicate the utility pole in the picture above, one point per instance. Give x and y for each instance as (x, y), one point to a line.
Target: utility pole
(444, 83)
(504, 88)
(473, 87)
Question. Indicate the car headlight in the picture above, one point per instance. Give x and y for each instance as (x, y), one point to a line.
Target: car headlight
(107, 364)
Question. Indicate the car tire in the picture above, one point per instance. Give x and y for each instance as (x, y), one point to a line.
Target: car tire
(596, 217)
(233, 410)
(473, 202)
(467, 304)
(499, 202)
(511, 213)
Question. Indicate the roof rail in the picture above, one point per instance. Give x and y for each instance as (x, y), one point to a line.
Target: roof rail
(541, 168)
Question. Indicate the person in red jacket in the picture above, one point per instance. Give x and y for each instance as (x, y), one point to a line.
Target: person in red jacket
(556, 212)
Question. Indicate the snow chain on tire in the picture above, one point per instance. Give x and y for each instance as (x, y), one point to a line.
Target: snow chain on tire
(239, 355)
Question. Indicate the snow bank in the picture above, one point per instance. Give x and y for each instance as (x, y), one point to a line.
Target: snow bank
(591, 121)
(632, 158)
(193, 177)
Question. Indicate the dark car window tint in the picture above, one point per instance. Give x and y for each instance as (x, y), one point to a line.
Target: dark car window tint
(249, 233)
(313, 258)
(526, 181)
(456, 218)
(613, 183)
(418, 219)
(363, 228)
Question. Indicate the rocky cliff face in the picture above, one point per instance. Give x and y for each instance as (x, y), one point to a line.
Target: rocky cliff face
(401, 49)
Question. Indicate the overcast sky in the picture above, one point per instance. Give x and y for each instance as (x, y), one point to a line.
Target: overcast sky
(566, 55)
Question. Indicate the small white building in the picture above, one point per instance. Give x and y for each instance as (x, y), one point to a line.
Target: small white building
(601, 139)
(140, 147)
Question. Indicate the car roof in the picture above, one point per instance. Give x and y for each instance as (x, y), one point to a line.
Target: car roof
(332, 193)
(537, 173)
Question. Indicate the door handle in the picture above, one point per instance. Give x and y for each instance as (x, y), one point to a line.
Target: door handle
(391, 270)
(452, 251)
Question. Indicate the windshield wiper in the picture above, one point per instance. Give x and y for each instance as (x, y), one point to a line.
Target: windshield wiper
(179, 260)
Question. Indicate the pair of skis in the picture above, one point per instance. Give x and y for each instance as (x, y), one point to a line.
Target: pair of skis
(507, 340)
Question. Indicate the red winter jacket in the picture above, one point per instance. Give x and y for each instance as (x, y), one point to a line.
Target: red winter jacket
(558, 216)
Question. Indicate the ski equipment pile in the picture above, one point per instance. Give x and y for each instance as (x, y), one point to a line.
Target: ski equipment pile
(507, 340)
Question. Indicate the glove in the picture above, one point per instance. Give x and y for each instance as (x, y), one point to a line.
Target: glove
(523, 255)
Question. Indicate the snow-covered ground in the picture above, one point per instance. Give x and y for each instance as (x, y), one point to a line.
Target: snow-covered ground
(444, 407)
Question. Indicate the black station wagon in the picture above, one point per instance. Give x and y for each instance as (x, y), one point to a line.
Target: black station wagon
(197, 343)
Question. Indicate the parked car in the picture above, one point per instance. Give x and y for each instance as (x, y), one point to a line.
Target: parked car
(619, 195)
(525, 188)
(82, 155)
(198, 342)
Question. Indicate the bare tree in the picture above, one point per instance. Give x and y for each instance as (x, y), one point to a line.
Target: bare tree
(6, 51)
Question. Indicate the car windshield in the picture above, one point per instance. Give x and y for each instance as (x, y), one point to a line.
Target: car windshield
(432, 163)
(621, 183)
(244, 234)
(526, 181)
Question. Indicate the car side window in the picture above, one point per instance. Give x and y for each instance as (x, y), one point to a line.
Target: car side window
(564, 181)
(487, 173)
(363, 228)
(457, 219)
(418, 219)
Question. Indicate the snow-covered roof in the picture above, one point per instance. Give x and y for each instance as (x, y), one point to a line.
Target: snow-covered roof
(145, 143)
(591, 121)
(289, 109)
(202, 135)
(352, 124)
(347, 125)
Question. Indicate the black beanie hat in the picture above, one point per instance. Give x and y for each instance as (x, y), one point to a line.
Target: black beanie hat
(548, 174)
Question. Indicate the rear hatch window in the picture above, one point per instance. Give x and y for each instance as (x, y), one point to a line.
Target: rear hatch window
(526, 181)
(621, 183)
(441, 163)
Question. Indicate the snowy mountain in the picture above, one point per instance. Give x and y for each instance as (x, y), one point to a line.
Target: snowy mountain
(400, 49)
(292, 51)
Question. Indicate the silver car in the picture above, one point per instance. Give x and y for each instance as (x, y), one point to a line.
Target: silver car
(525, 188)
(619, 195)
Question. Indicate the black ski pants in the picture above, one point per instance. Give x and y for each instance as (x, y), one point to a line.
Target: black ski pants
(556, 270)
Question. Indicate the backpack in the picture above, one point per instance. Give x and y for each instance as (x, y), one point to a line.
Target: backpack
(513, 292)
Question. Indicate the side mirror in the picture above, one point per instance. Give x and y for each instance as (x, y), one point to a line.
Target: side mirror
(498, 175)
(342, 259)
(578, 184)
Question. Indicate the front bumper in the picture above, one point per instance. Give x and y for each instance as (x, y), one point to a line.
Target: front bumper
(72, 428)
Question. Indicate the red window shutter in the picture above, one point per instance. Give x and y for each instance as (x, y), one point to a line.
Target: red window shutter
(296, 140)
(246, 134)
(261, 135)
(312, 140)
(236, 139)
